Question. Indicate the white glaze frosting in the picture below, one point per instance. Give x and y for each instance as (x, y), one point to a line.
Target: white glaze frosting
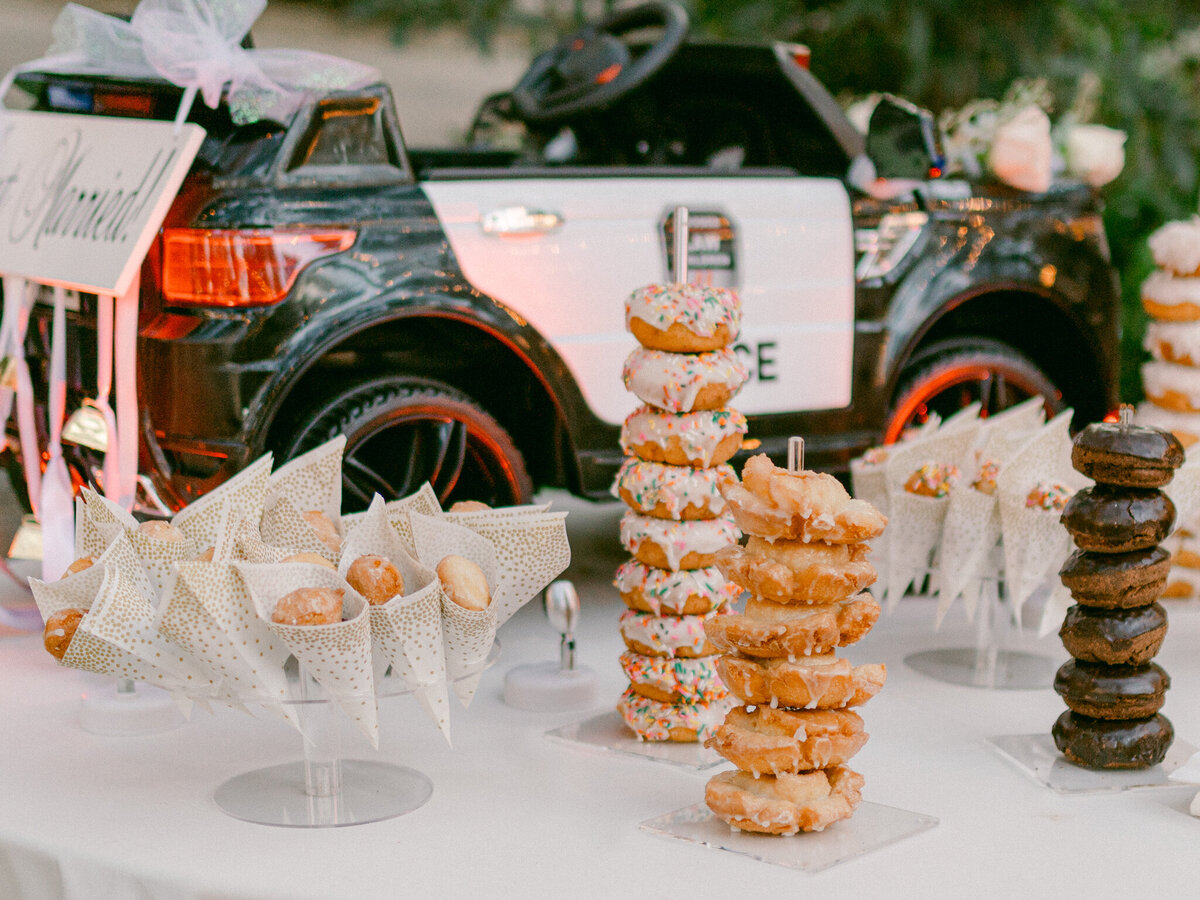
(654, 720)
(676, 487)
(692, 679)
(678, 539)
(1160, 377)
(698, 433)
(1179, 339)
(667, 591)
(671, 381)
(1170, 290)
(1176, 246)
(1175, 422)
(666, 634)
(699, 309)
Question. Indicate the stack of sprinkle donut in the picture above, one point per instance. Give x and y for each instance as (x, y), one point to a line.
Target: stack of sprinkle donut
(806, 569)
(1112, 689)
(1171, 297)
(685, 372)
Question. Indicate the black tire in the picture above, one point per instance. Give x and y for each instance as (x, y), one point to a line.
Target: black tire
(401, 432)
(949, 375)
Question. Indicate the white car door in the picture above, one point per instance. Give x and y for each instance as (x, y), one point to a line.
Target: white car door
(563, 253)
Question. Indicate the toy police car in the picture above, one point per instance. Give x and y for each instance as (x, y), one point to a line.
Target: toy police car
(458, 313)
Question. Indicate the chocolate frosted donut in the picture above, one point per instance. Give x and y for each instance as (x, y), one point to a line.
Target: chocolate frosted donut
(1129, 455)
(1117, 580)
(1113, 743)
(1112, 692)
(1118, 519)
(1116, 637)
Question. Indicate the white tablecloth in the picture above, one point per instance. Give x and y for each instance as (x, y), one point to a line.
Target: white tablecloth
(514, 814)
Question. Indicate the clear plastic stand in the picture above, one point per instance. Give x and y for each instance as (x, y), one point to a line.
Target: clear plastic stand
(1037, 757)
(609, 732)
(986, 665)
(872, 826)
(126, 708)
(325, 790)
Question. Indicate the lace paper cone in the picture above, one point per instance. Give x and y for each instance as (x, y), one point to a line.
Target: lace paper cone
(423, 502)
(80, 590)
(207, 610)
(312, 480)
(1035, 545)
(1025, 417)
(969, 535)
(1184, 491)
(241, 497)
(869, 482)
(284, 526)
(407, 630)
(531, 551)
(338, 656)
(912, 543)
(468, 633)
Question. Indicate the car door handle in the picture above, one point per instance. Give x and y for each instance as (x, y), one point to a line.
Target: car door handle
(517, 220)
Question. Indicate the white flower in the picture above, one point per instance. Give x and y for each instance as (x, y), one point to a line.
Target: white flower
(1095, 154)
(1021, 150)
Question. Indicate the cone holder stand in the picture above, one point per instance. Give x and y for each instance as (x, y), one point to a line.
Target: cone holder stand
(324, 789)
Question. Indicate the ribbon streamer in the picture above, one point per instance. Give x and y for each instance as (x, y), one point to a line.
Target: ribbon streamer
(57, 511)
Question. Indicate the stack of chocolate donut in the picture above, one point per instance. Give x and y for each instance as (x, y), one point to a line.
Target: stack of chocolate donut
(805, 567)
(685, 371)
(1112, 689)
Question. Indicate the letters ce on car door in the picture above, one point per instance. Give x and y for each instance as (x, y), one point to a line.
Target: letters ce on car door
(565, 252)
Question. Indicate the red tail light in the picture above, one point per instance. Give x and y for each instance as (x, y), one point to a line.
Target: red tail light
(229, 268)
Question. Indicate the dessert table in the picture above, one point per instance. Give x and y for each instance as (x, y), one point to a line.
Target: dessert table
(514, 813)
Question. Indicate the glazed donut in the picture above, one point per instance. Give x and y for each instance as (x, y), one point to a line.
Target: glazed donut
(84, 562)
(769, 630)
(1129, 455)
(1173, 342)
(684, 721)
(1171, 298)
(670, 680)
(687, 592)
(325, 528)
(684, 382)
(796, 572)
(309, 606)
(1113, 743)
(1116, 580)
(313, 559)
(667, 544)
(816, 682)
(666, 636)
(761, 740)
(1176, 388)
(698, 439)
(375, 578)
(464, 582)
(683, 318)
(671, 492)
(932, 480)
(808, 506)
(468, 506)
(1185, 426)
(1112, 692)
(785, 803)
(161, 530)
(1176, 247)
(1108, 519)
(60, 629)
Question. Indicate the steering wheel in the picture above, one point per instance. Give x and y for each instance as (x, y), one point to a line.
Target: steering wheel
(593, 67)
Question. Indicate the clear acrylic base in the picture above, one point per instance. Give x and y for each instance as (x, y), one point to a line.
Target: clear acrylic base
(1037, 757)
(609, 732)
(872, 826)
(366, 792)
(994, 669)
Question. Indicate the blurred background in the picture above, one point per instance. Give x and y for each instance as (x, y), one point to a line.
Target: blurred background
(1132, 66)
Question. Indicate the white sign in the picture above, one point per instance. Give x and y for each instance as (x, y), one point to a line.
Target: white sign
(82, 197)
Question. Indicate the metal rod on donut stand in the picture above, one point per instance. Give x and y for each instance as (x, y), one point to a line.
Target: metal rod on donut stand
(679, 244)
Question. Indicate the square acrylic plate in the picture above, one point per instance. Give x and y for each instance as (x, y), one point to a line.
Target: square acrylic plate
(1036, 755)
(872, 826)
(608, 732)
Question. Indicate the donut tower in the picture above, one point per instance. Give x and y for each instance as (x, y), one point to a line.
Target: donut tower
(677, 444)
(805, 567)
(1112, 689)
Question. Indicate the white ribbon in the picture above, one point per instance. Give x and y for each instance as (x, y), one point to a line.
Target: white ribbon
(57, 510)
(125, 349)
(18, 298)
(104, 378)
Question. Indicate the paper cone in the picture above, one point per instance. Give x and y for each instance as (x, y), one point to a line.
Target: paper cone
(1055, 609)
(337, 656)
(1184, 491)
(311, 481)
(969, 535)
(283, 526)
(248, 546)
(1035, 546)
(241, 497)
(916, 528)
(159, 557)
(1024, 417)
(407, 630)
(89, 541)
(424, 502)
(101, 511)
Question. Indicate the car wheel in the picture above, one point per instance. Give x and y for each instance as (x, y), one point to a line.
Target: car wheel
(401, 432)
(949, 375)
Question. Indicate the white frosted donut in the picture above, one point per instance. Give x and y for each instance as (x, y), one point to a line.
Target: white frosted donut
(1170, 297)
(698, 439)
(682, 382)
(692, 591)
(671, 492)
(1185, 426)
(1175, 342)
(667, 636)
(705, 317)
(671, 679)
(1176, 246)
(668, 544)
(653, 720)
(1173, 387)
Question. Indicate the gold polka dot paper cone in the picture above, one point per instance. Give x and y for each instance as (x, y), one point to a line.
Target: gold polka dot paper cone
(78, 591)
(159, 556)
(283, 526)
(89, 541)
(337, 656)
(249, 546)
(101, 511)
(310, 481)
(241, 497)
(424, 501)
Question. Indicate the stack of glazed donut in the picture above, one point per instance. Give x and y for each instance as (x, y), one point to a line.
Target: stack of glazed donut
(685, 372)
(805, 567)
(1112, 689)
